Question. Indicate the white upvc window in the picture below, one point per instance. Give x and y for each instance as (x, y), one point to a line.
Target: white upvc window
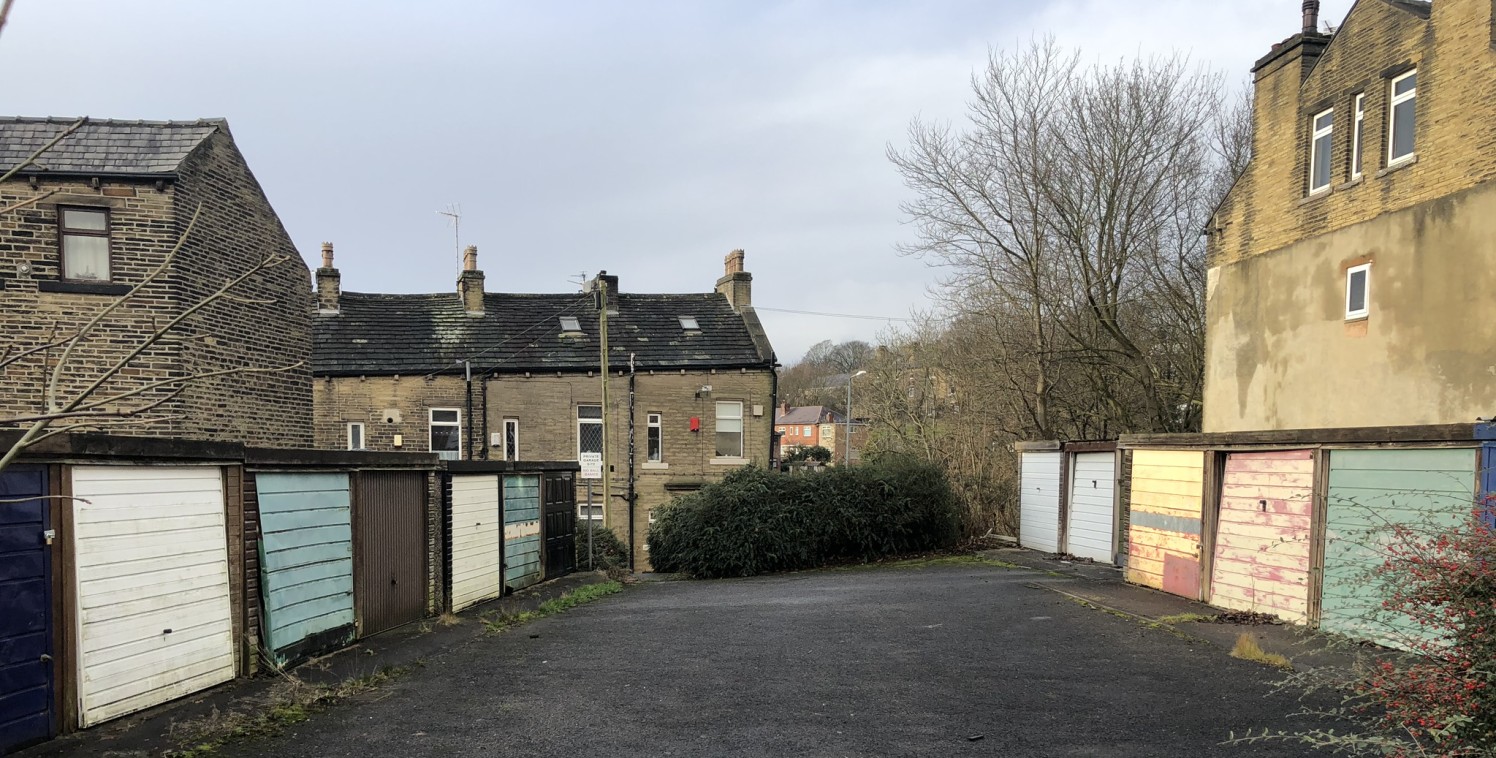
(446, 433)
(654, 439)
(589, 429)
(355, 436)
(511, 439)
(1357, 291)
(1356, 135)
(1320, 143)
(1401, 116)
(729, 429)
(806, 432)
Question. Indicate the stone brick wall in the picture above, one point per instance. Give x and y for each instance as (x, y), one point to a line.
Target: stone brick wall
(237, 227)
(545, 406)
(1270, 206)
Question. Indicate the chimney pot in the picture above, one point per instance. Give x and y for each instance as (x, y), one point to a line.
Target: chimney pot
(470, 282)
(329, 283)
(1311, 16)
(734, 262)
(736, 284)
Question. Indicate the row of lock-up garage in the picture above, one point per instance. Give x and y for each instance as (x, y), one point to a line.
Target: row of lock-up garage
(1294, 524)
(137, 571)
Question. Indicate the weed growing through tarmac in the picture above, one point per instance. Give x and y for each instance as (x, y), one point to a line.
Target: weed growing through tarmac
(291, 702)
(1247, 649)
(496, 622)
(1186, 618)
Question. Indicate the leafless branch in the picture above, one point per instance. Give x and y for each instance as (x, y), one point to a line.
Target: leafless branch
(27, 202)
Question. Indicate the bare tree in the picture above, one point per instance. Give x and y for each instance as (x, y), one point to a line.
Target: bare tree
(1067, 213)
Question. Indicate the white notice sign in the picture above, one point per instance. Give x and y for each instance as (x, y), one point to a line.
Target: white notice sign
(592, 465)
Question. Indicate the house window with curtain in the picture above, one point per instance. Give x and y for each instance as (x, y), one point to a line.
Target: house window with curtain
(446, 433)
(1360, 116)
(84, 233)
(654, 438)
(729, 429)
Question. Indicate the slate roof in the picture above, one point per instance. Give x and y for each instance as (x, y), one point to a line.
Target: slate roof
(807, 414)
(413, 335)
(103, 146)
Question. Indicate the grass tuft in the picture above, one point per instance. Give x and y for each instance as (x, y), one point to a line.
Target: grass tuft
(291, 702)
(1247, 649)
(1185, 618)
(496, 622)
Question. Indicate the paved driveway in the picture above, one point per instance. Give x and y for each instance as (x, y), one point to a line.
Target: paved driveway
(841, 663)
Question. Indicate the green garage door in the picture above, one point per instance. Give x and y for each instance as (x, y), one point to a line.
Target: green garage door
(1371, 492)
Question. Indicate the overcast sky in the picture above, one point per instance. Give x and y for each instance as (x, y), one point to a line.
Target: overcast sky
(645, 138)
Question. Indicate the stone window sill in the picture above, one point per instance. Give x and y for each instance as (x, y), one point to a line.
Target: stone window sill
(1358, 181)
(82, 288)
(653, 466)
(1316, 196)
(729, 461)
(1403, 163)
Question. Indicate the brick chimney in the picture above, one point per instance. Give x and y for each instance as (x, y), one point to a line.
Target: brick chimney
(329, 283)
(470, 282)
(736, 283)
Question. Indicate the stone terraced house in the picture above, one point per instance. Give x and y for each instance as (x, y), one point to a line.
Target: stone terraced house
(475, 375)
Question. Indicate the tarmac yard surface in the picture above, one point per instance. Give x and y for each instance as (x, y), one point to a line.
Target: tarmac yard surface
(940, 660)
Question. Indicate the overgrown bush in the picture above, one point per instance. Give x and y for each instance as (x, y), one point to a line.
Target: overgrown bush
(609, 554)
(756, 521)
(814, 453)
(1438, 590)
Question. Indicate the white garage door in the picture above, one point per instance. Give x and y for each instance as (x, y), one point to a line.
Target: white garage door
(152, 585)
(476, 574)
(1039, 502)
(1093, 480)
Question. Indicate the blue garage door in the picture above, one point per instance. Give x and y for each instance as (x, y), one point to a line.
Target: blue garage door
(307, 563)
(521, 530)
(25, 592)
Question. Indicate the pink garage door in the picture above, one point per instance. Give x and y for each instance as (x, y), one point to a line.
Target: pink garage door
(1263, 534)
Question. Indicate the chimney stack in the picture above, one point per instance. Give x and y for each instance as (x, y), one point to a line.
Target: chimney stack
(329, 283)
(470, 282)
(611, 281)
(1311, 16)
(736, 284)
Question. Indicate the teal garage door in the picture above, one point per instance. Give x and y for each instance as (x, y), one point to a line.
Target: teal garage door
(306, 563)
(1371, 493)
(521, 531)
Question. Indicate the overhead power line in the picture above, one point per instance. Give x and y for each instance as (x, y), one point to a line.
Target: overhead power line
(833, 315)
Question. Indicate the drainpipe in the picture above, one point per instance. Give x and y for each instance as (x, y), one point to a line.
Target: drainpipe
(774, 408)
(467, 371)
(632, 494)
(483, 393)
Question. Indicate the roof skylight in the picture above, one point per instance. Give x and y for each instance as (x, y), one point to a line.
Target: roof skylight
(689, 323)
(570, 324)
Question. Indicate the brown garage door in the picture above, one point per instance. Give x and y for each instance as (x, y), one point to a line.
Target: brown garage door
(389, 549)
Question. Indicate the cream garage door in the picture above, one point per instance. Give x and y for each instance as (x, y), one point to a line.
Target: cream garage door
(152, 588)
(1039, 502)
(1093, 483)
(476, 573)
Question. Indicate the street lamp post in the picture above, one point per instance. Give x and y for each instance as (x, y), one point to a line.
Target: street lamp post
(847, 456)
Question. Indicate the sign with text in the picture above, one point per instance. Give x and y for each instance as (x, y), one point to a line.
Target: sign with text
(592, 465)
